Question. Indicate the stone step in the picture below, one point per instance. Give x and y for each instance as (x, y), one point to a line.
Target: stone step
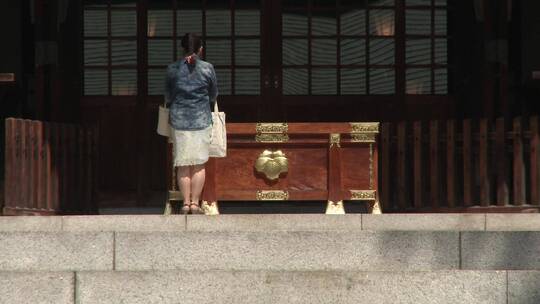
(270, 250)
(273, 258)
(149, 287)
(271, 242)
(288, 250)
(275, 222)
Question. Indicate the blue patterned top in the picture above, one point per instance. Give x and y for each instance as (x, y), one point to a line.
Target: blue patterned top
(189, 89)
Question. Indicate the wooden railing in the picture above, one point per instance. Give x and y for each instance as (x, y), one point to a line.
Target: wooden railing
(428, 166)
(460, 166)
(50, 168)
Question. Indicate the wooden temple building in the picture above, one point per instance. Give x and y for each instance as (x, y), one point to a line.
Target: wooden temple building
(418, 105)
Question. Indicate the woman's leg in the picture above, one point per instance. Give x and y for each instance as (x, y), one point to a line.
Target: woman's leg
(184, 182)
(197, 182)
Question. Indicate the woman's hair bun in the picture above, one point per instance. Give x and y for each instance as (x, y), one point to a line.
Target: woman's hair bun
(191, 43)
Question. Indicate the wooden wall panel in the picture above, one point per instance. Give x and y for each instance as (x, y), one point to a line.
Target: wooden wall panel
(354, 164)
(241, 161)
(43, 163)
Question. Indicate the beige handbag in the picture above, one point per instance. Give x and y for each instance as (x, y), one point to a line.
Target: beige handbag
(218, 143)
(163, 127)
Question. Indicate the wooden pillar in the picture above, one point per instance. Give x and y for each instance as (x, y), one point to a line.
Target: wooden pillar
(48, 82)
(335, 194)
(488, 66)
(417, 167)
(483, 164)
(401, 157)
(534, 161)
(334, 171)
(39, 72)
(503, 18)
(385, 165)
(434, 196)
(467, 164)
(496, 70)
(209, 191)
(142, 108)
(451, 163)
(500, 156)
(518, 164)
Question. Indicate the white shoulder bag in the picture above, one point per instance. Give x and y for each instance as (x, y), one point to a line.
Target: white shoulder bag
(163, 127)
(218, 142)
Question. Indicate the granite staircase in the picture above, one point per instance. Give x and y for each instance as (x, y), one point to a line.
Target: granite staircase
(273, 258)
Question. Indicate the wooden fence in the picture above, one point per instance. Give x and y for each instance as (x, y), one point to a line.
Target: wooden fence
(50, 168)
(460, 166)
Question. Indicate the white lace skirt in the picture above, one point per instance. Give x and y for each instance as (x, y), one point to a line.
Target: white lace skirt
(191, 147)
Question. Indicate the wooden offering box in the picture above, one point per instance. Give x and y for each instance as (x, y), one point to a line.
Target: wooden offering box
(295, 161)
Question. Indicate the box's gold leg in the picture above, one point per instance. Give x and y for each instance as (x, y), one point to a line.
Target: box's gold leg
(335, 208)
(168, 208)
(376, 208)
(210, 208)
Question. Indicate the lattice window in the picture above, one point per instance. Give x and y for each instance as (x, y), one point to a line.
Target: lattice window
(353, 47)
(110, 47)
(231, 33)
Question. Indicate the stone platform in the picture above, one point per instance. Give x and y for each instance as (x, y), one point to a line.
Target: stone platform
(311, 258)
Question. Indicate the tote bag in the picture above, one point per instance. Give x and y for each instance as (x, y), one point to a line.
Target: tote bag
(218, 142)
(163, 127)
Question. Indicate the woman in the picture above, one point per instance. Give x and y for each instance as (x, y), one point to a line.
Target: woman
(190, 87)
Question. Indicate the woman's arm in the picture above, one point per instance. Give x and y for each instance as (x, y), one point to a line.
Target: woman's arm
(169, 80)
(212, 87)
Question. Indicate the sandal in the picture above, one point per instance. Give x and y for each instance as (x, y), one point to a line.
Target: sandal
(195, 209)
(185, 209)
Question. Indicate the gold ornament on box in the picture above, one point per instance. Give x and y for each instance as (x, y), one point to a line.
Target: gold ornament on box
(272, 164)
(335, 139)
(363, 195)
(272, 195)
(272, 132)
(272, 128)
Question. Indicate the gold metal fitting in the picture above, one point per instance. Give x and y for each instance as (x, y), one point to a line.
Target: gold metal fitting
(272, 164)
(363, 195)
(335, 207)
(363, 137)
(272, 128)
(272, 132)
(335, 139)
(272, 195)
(364, 127)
